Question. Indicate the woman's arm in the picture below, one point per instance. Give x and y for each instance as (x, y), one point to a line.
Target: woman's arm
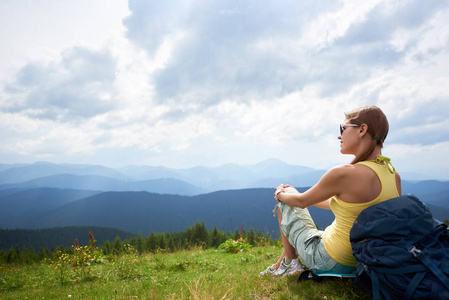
(332, 183)
(398, 183)
(288, 188)
(324, 205)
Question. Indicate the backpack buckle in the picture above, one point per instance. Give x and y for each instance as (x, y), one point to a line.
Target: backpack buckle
(416, 252)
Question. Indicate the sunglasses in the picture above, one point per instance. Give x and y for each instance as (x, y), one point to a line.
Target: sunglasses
(343, 127)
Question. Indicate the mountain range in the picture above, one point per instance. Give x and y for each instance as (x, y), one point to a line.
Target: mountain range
(160, 179)
(191, 181)
(143, 211)
(144, 199)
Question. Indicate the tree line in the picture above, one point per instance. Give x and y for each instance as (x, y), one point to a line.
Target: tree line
(195, 236)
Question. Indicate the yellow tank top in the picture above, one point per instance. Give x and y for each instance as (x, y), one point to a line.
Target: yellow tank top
(336, 236)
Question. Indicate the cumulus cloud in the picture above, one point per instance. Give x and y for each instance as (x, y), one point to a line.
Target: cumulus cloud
(227, 50)
(245, 51)
(387, 17)
(79, 86)
(231, 81)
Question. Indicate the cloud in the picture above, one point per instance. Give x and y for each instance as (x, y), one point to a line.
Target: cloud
(424, 123)
(227, 50)
(183, 83)
(245, 51)
(386, 18)
(77, 87)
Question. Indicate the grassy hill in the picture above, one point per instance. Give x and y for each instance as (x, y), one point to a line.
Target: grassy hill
(192, 274)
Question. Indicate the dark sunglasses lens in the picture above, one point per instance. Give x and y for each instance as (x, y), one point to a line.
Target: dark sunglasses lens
(341, 130)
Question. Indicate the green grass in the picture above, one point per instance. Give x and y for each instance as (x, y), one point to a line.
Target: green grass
(193, 274)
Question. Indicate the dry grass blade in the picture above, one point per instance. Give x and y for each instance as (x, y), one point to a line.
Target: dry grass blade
(199, 291)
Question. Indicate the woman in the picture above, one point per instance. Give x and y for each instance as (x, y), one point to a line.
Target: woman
(346, 190)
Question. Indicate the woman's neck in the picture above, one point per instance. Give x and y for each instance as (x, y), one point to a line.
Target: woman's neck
(375, 154)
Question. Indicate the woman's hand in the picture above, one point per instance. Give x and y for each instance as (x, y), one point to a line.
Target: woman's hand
(281, 189)
(289, 188)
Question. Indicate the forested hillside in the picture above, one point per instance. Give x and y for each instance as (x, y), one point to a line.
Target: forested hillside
(146, 212)
(157, 199)
(60, 236)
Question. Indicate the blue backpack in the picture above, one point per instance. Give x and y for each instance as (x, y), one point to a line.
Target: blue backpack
(403, 253)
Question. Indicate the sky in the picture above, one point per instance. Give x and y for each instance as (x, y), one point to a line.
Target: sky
(206, 83)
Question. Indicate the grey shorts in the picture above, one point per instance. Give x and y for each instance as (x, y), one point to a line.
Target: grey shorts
(300, 230)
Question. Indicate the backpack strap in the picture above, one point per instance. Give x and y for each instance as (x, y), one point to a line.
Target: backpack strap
(414, 284)
(377, 289)
(375, 285)
(420, 270)
(430, 265)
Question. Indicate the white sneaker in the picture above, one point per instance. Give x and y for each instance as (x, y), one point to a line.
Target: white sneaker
(293, 268)
(269, 270)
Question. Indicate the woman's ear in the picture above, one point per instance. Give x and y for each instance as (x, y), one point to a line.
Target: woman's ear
(363, 130)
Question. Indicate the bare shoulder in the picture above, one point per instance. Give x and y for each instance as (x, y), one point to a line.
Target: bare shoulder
(341, 172)
(351, 172)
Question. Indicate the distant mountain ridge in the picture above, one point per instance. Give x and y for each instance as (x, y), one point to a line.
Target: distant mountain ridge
(146, 212)
(229, 176)
(22, 205)
(144, 199)
(190, 181)
(137, 211)
(100, 183)
(21, 172)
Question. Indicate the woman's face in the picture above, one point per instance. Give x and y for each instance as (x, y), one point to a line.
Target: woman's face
(349, 139)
